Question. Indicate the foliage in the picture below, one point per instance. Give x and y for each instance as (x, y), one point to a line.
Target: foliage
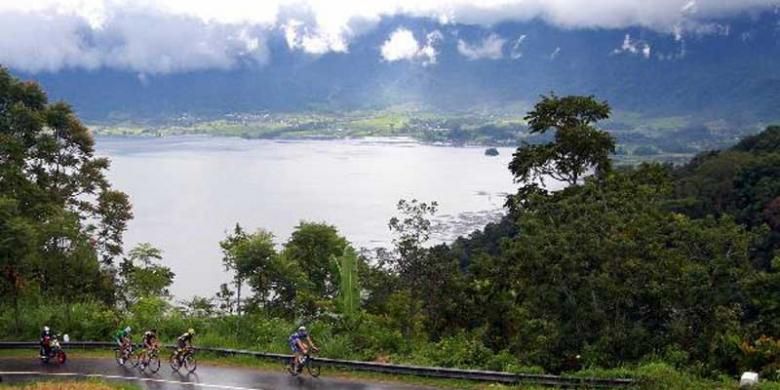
(141, 275)
(663, 268)
(577, 147)
(349, 283)
(61, 223)
(315, 246)
(762, 354)
(244, 254)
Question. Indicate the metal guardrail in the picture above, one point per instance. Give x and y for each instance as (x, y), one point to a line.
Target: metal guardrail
(398, 369)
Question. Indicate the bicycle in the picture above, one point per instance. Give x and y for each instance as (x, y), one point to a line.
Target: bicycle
(124, 354)
(150, 359)
(185, 358)
(308, 362)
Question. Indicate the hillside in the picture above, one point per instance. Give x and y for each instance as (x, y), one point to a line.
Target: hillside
(725, 72)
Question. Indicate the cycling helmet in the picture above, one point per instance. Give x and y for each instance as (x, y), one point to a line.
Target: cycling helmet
(128, 329)
(302, 328)
(191, 331)
(46, 329)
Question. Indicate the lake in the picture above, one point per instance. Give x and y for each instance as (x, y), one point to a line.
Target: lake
(188, 191)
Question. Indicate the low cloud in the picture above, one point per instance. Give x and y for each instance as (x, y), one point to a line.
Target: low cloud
(165, 36)
(402, 45)
(491, 48)
(138, 41)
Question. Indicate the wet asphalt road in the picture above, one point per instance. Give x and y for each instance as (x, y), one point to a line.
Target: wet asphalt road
(206, 377)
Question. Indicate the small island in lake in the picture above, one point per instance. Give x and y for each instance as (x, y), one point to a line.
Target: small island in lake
(491, 152)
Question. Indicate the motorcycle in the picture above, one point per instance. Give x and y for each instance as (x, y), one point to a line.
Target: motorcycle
(55, 354)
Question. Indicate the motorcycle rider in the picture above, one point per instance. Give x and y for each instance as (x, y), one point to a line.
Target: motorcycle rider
(45, 341)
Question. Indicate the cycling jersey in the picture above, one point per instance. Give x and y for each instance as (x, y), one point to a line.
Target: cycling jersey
(149, 338)
(184, 339)
(120, 334)
(295, 337)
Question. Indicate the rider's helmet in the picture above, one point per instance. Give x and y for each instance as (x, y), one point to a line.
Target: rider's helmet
(302, 329)
(46, 329)
(128, 329)
(191, 331)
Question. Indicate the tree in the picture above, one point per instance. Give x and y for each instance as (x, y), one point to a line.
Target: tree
(315, 247)
(199, 307)
(603, 270)
(412, 230)
(349, 283)
(60, 196)
(248, 255)
(18, 246)
(143, 276)
(410, 261)
(225, 299)
(577, 147)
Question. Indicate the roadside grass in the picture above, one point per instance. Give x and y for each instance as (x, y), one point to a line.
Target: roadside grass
(88, 384)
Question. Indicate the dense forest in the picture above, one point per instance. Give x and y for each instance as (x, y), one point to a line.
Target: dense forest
(627, 265)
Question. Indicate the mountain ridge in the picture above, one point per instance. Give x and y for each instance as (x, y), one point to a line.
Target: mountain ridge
(728, 71)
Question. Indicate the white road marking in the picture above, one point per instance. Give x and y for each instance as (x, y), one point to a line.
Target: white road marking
(129, 378)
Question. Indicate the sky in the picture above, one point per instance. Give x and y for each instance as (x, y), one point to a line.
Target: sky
(170, 36)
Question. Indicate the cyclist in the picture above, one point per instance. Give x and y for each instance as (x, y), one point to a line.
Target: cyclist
(45, 341)
(150, 343)
(184, 342)
(300, 342)
(122, 338)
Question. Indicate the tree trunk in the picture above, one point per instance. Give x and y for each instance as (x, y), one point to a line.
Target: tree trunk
(238, 306)
(238, 296)
(17, 322)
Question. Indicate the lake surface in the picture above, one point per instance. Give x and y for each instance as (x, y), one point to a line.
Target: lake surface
(187, 192)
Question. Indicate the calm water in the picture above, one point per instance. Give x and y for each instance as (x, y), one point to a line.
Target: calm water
(188, 191)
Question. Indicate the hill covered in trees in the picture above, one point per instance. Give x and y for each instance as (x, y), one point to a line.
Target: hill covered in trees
(625, 266)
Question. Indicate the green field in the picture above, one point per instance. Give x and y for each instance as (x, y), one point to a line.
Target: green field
(640, 137)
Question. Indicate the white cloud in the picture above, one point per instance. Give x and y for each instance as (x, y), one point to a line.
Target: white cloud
(136, 40)
(491, 48)
(159, 36)
(300, 37)
(402, 45)
(555, 53)
(633, 47)
(517, 48)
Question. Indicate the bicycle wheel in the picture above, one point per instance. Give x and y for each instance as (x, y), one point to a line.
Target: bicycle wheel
(288, 364)
(153, 364)
(190, 363)
(313, 367)
(174, 361)
(119, 356)
(61, 357)
(135, 358)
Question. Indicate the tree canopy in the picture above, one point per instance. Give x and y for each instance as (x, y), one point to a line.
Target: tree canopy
(578, 146)
(61, 221)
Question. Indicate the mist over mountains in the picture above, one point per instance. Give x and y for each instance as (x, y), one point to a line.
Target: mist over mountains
(724, 69)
